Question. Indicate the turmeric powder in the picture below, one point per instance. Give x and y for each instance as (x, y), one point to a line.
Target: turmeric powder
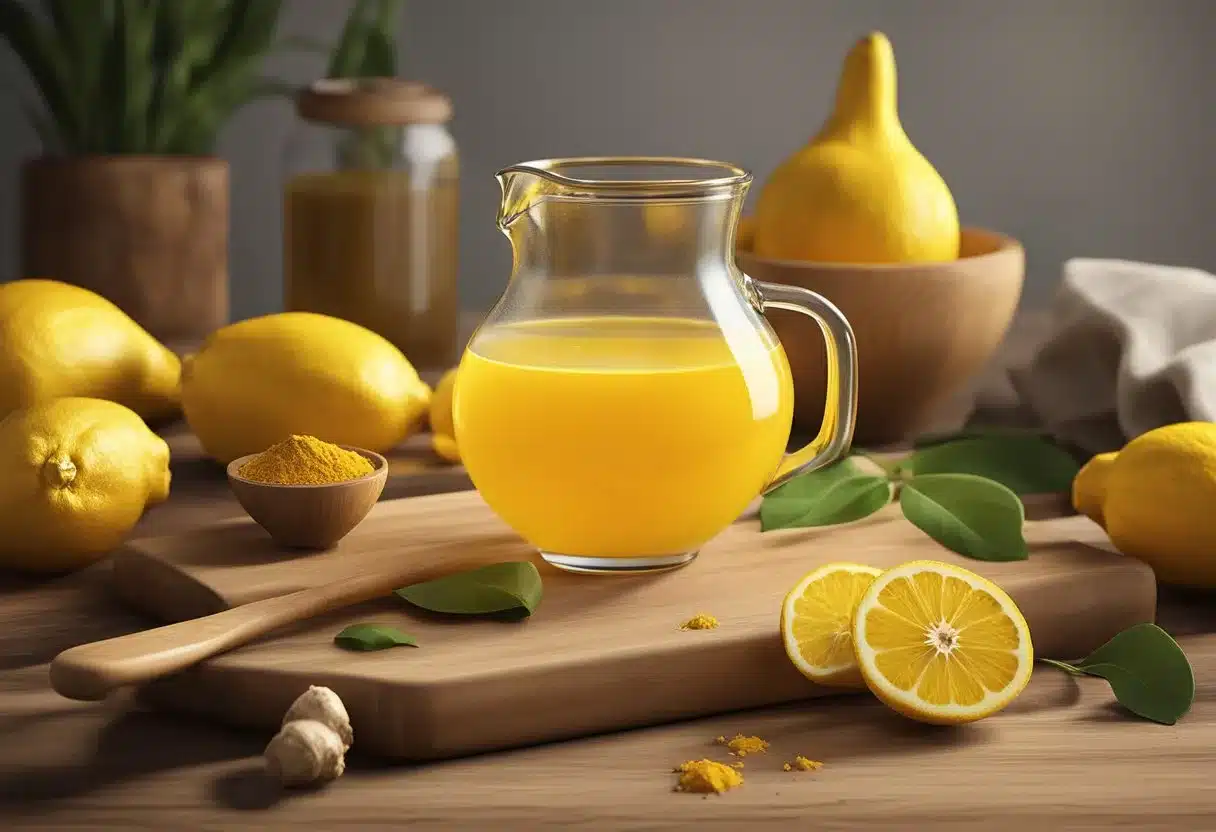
(705, 776)
(305, 460)
(803, 764)
(741, 746)
(700, 621)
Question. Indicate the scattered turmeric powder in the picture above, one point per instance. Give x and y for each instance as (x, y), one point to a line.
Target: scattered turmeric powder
(801, 763)
(305, 460)
(741, 746)
(706, 776)
(700, 621)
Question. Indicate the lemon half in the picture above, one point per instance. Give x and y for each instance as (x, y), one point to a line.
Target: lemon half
(940, 644)
(816, 622)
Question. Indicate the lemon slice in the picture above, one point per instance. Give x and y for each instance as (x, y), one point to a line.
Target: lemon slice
(816, 622)
(940, 644)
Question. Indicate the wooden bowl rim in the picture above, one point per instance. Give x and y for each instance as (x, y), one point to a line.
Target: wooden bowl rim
(1006, 245)
(379, 471)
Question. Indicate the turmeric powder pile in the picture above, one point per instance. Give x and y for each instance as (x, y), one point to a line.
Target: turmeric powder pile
(741, 746)
(700, 621)
(707, 776)
(305, 460)
(801, 763)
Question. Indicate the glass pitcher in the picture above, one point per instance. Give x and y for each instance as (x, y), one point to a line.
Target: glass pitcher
(625, 399)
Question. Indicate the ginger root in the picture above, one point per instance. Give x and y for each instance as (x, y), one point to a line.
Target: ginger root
(312, 743)
(323, 705)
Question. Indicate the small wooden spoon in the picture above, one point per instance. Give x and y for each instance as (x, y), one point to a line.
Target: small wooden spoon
(89, 672)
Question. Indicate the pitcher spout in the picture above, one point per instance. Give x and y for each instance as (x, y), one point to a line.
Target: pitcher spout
(523, 186)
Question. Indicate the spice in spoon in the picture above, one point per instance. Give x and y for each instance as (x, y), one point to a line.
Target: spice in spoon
(305, 460)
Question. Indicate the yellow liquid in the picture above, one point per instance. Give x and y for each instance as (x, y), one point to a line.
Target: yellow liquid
(621, 437)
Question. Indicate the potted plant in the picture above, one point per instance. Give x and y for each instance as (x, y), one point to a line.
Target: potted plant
(128, 198)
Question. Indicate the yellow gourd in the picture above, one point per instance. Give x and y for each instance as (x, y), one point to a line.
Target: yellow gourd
(859, 192)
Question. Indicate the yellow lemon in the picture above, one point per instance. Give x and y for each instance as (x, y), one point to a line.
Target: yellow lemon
(443, 430)
(441, 405)
(817, 619)
(860, 191)
(59, 340)
(78, 474)
(258, 381)
(940, 644)
(445, 447)
(1156, 500)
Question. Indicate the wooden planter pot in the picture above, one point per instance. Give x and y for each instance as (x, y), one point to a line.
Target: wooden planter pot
(149, 233)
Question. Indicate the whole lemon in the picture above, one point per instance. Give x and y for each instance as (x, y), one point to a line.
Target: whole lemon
(443, 430)
(1156, 498)
(61, 340)
(258, 381)
(77, 476)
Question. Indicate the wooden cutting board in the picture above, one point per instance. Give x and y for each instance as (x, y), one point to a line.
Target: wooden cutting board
(599, 654)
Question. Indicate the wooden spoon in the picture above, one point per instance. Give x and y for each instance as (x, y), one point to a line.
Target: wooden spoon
(89, 672)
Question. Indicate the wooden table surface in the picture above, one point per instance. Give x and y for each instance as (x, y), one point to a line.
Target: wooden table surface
(1062, 757)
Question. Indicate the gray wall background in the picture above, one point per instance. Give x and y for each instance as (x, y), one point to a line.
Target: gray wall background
(1082, 127)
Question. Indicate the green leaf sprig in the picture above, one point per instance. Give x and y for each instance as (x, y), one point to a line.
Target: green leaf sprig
(1146, 669)
(962, 491)
(367, 637)
(513, 588)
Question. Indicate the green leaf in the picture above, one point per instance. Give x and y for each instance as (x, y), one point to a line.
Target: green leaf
(347, 58)
(939, 438)
(380, 56)
(970, 515)
(843, 501)
(1024, 464)
(133, 77)
(373, 637)
(84, 29)
(817, 481)
(511, 587)
(1147, 671)
(44, 59)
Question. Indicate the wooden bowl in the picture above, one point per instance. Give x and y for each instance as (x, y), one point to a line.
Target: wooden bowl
(310, 516)
(923, 329)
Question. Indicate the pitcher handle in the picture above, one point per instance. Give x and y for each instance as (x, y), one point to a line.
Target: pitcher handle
(840, 412)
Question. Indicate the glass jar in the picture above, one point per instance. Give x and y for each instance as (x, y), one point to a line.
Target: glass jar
(370, 213)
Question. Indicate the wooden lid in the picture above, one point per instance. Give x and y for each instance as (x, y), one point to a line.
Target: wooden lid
(367, 102)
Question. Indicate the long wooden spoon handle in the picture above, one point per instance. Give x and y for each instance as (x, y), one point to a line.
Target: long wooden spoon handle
(90, 672)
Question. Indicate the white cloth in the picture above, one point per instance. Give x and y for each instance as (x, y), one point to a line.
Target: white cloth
(1131, 347)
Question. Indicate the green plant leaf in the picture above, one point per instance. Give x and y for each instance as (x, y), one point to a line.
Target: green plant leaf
(970, 515)
(1024, 464)
(83, 30)
(843, 501)
(817, 481)
(347, 58)
(511, 587)
(373, 637)
(132, 79)
(43, 57)
(1147, 671)
(380, 56)
(941, 437)
(222, 82)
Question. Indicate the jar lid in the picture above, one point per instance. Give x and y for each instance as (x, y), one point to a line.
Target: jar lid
(367, 102)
